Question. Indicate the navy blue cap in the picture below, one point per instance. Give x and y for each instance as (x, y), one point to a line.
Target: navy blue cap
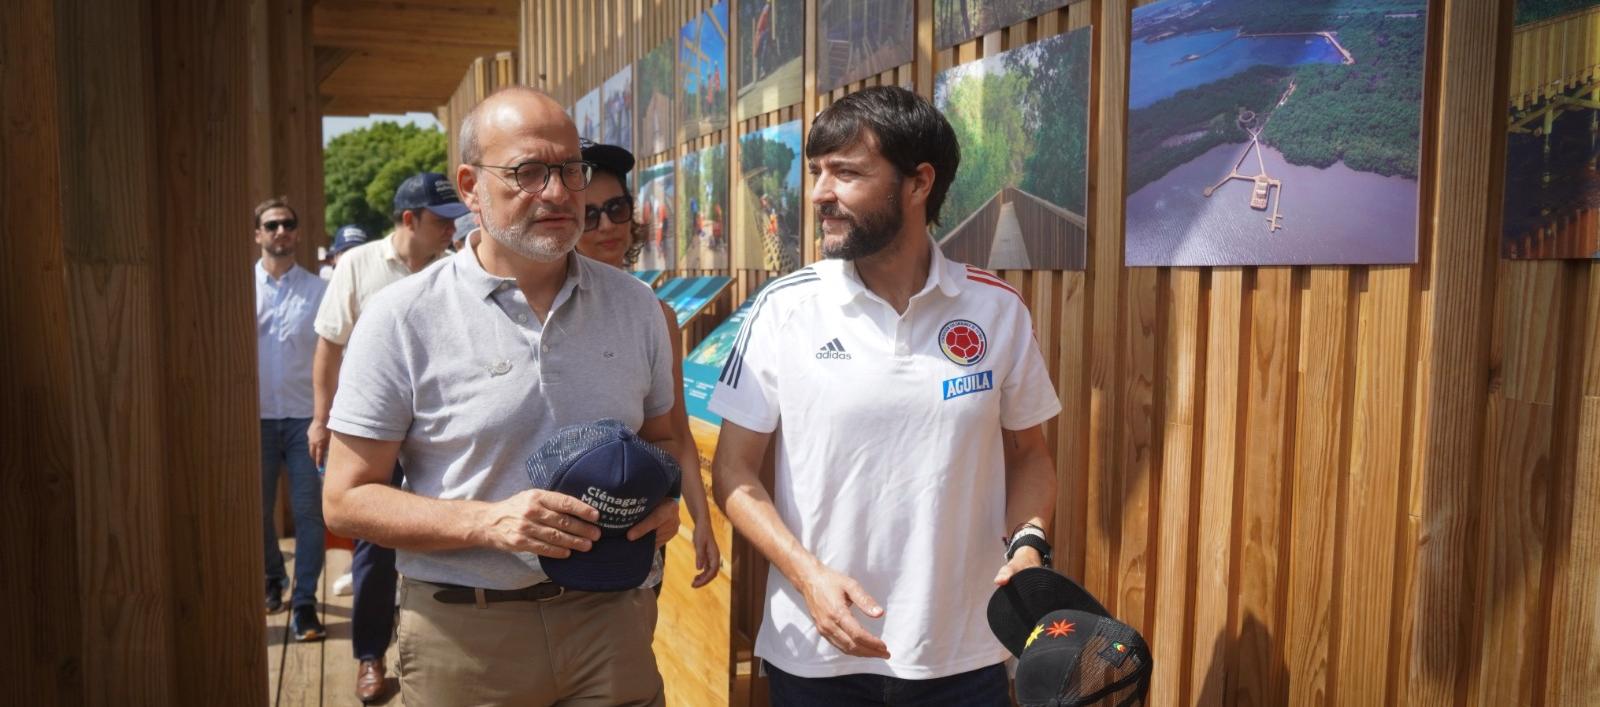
(605, 465)
(347, 237)
(431, 191)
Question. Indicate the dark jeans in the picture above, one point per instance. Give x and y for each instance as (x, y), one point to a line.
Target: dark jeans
(283, 443)
(984, 687)
(372, 611)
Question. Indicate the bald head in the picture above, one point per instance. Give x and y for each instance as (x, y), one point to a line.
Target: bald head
(510, 111)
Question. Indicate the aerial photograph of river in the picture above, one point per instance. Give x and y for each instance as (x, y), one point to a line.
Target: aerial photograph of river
(1275, 133)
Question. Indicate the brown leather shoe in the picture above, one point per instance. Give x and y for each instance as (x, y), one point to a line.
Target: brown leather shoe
(372, 684)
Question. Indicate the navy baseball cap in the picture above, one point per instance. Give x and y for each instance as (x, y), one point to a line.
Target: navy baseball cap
(1070, 651)
(347, 237)
(605, 465)
(431, 191)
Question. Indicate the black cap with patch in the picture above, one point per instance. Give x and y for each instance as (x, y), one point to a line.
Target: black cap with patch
(608, 158)
(1070, 650)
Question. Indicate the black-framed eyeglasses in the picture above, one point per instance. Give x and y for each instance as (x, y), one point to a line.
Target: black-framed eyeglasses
(533, 177)
(618, 208)
(288, 224)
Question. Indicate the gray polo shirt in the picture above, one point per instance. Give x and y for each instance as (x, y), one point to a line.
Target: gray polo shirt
(453, 363)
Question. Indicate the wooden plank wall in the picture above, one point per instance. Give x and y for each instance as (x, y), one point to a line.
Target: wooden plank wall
(130, 514)
(1305, 485)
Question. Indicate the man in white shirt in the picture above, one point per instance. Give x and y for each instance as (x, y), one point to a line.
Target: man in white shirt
(287, 297)
(425, 210)
(906, 395)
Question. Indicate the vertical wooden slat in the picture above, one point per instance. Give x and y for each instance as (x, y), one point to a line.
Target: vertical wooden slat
(38, 486)
(1213, 556)
(1574, 628)
(1185, 357)
(1455, 330)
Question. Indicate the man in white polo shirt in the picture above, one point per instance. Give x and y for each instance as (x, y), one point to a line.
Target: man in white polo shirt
(425, 210)
(912, 472)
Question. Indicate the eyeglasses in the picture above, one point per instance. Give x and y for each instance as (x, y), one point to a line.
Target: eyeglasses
(288, 224)
(533, 177)
(618, 208)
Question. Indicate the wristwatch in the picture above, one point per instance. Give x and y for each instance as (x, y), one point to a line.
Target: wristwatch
(1029, 535)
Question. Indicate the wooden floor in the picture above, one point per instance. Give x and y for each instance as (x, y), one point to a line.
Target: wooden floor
(321, 673)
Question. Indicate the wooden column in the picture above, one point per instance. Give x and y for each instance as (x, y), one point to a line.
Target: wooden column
(132, 492)
(286, 114)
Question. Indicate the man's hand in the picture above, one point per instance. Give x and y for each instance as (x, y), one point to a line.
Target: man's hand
(663, 520)
(830, 596)
(317, 437)
(1024, 558)
(706, 557)
(545, 523)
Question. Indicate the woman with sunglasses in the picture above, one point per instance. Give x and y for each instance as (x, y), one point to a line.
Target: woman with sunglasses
(611, 236)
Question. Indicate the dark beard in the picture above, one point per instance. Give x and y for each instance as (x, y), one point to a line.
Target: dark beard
(869, 234)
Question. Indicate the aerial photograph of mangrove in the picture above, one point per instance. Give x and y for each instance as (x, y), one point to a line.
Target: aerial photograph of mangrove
(1282, 132)
(1552, 187)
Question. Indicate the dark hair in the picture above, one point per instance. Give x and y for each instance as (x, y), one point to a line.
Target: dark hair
(277, 202)
(908, 129)
(636, 228)
(416, 215)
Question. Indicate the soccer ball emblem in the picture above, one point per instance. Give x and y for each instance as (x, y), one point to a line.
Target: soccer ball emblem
(963, 342)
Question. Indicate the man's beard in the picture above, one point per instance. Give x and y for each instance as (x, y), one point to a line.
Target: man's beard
(520, 238)
(278, 251)
(869, 233)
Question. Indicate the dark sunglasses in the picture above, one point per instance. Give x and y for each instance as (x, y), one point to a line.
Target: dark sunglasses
(288, 224)
(618, 208)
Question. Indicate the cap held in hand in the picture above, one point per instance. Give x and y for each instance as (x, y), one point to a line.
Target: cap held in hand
(1070, 650)
(607, 466)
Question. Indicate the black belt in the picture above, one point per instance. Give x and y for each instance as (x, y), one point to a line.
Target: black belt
(457, 594)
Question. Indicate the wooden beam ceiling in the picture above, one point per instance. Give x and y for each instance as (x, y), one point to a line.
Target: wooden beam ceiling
(396, 56)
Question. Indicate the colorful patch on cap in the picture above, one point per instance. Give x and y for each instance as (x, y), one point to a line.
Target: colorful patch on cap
(963, 342)
(1036, 631)
(1060, 628)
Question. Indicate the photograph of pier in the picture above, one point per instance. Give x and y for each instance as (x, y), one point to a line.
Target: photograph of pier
(1275, 133)
(770, 201)
(1552, 187)
(1022, 118)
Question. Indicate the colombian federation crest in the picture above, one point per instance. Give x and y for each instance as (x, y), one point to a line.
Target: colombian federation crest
(963, 342)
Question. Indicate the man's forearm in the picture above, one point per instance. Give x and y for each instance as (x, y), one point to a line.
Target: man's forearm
(325, 377)
(749, 507)
(390, 517)
(1030, 491)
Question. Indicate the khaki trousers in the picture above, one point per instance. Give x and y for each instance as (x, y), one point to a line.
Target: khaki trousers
(578, 649)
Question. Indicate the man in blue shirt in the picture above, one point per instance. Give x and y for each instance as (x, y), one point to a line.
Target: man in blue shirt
(287, 297)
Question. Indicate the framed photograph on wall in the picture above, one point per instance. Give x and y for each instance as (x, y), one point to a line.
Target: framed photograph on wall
(1552, 187)
(1020, 198)
(1275, 134)
(859, 38)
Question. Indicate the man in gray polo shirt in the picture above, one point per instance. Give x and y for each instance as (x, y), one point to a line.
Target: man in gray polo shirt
(461, 372)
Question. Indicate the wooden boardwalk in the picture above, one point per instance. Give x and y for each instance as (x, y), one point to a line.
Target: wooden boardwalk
(323, 673)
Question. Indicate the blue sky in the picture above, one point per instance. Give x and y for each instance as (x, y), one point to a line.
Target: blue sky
(333, 126)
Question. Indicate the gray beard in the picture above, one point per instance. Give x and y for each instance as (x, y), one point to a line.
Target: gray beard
(518, 238)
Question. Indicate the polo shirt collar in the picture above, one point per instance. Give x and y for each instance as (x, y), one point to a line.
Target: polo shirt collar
(943, 273)
(482, 283)
(263, 277)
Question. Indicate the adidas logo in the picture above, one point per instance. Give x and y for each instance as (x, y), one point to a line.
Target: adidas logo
(834, 350)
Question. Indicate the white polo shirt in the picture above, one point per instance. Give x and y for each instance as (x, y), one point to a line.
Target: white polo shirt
(890, 465)
(361, 273)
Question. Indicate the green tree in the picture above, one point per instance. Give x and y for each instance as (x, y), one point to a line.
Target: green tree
(362, 168)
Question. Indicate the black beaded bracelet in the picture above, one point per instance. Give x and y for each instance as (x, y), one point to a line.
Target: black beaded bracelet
(1032, 541)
